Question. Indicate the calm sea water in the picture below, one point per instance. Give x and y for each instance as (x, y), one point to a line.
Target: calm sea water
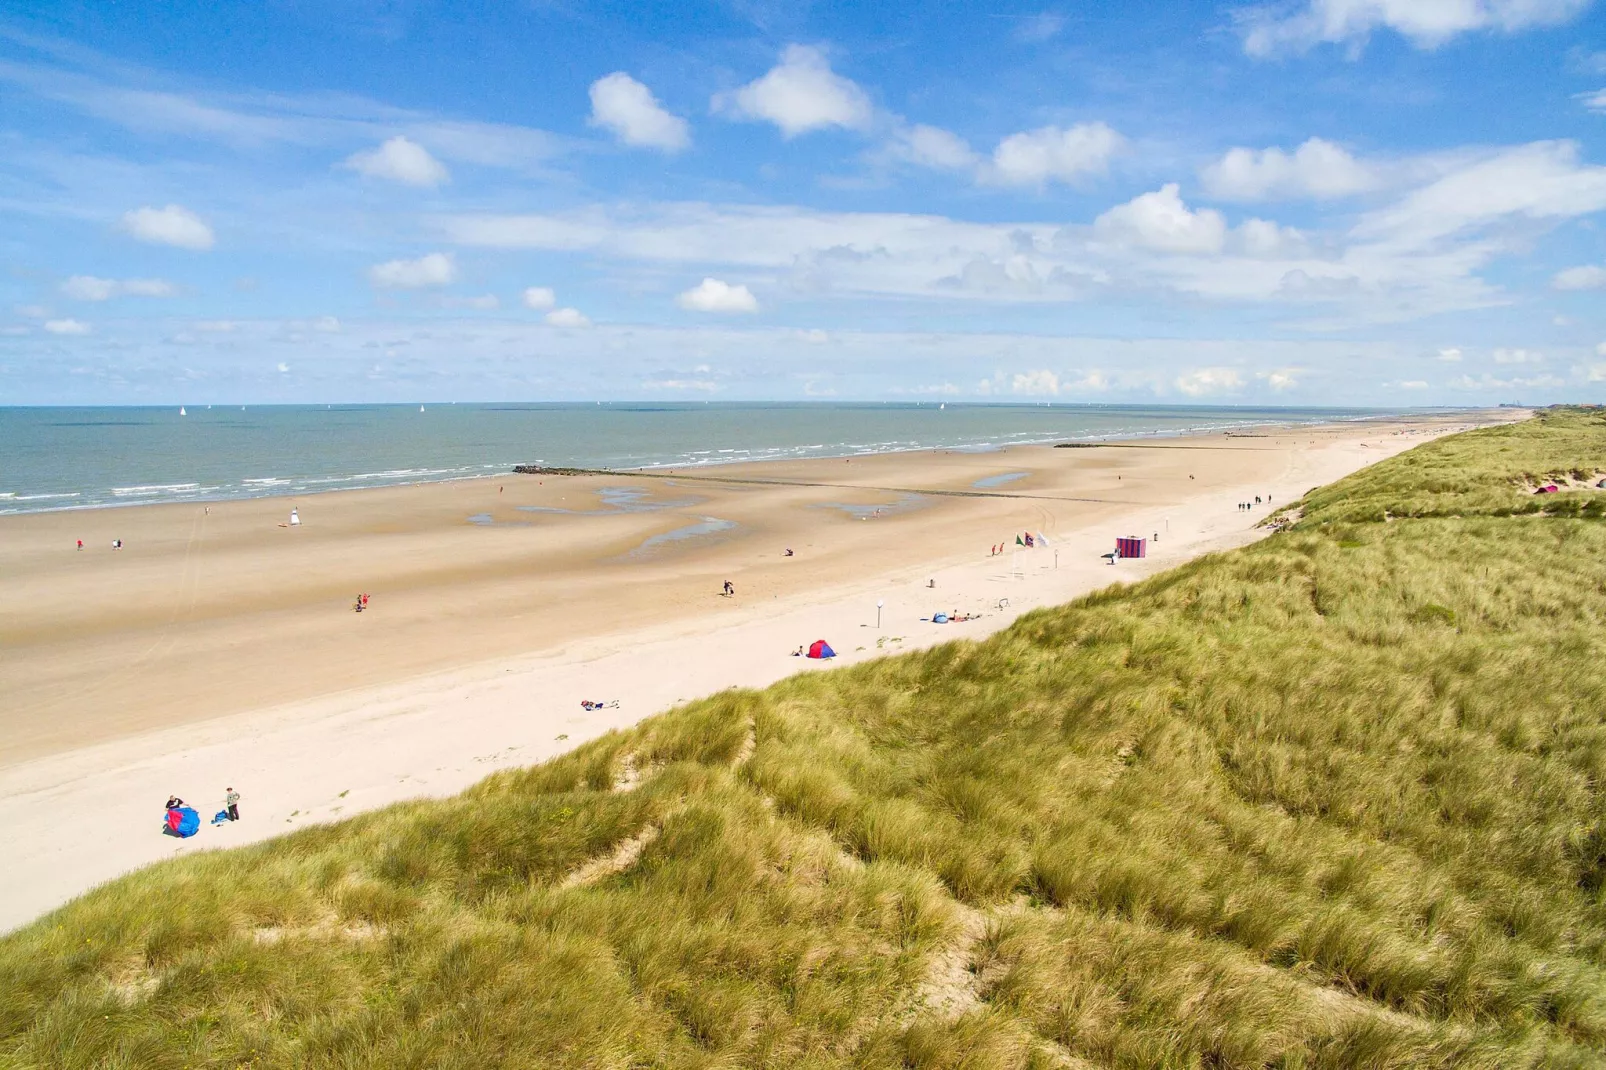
(55, 458)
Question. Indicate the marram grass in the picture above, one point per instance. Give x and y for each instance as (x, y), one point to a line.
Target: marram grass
(1332, 800)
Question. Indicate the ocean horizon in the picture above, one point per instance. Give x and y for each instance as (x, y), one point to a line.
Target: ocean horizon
(96, 457)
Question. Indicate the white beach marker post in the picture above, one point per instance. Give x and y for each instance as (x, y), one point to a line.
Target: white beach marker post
(880, 603)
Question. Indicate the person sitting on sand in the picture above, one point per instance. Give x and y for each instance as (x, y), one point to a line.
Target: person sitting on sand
(174, 802)
(798, 653)
(788, 552)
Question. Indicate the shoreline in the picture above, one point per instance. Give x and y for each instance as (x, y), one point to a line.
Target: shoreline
(77, 811)
(501, 470)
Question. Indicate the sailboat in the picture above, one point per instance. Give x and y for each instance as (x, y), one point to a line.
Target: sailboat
(420, 408)
(181, 411)
(944, 405)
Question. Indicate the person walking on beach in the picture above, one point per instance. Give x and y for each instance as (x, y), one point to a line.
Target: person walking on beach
(231, 803)
(80, 544)
(730, 589)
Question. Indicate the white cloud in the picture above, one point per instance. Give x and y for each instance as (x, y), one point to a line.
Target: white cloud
(1160, 221)
(90, 288)
(566, 317)
(539, 297)
(1595, 101)
(66, 327)
(1280, 380)
(714, 295)
(1450, 356)
(1037, 382)
(1585, 277)
(628, 109)
(216, 326)
(1596, 373)
(1412, 384)
(173, 225)
(1265, 239)
(1317, 169)
(1204, 381)
(1092, 381)
(931, 146)
(800, 94)
(326, 324)
(33, 312)
(1050, 154)
(432, 269)
(815, 336)
(1540, 181)
(1517, 356)
(706, 385)
(400, 160)
(1425, 23)
(1600, 350)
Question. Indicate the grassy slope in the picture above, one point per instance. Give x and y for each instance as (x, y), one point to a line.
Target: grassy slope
(1331, 800)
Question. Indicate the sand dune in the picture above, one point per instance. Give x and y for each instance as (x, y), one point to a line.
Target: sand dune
(219, 648)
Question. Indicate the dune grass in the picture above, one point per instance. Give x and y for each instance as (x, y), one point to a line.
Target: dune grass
(1331, 800)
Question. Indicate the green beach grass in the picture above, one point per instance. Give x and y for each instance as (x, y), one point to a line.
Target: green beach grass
(1331, 800)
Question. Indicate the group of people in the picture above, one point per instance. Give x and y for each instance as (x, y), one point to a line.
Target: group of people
(361, 604)
(117, 544)
(182, 820)
(1251, 505)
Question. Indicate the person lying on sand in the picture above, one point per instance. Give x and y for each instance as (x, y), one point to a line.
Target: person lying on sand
(612, 704)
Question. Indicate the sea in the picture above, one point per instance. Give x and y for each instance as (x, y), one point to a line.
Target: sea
(75, 458)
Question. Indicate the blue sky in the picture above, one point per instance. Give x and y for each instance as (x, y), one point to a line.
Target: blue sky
(1302, 202)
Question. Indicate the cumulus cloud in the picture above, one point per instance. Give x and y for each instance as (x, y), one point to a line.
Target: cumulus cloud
(90, 288)
(430, 270)
(931, 146)
(1595, 101)
(539, 297)
(1278, 28)
(800, 94)
(1206, 381)
(1053, 154)
(566, 317)
(1584, 277)
(1265, 239)
(1281, 379)
(1162, 222)
(172, 225)
(283, 367)
(1412, 384)
(400, 160)
(1450, 355)
(1317, 169)
(714, 295)
(1038, 382)
(66, 327)
(627, 109)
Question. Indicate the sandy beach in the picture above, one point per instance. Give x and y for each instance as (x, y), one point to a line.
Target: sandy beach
(219, 646)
